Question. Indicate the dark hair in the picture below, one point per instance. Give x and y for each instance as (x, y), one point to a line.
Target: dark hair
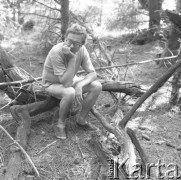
(77, 29)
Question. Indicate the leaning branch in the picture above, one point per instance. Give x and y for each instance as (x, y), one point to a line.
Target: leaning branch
(40, 15)
(54, 9)
(152, 90)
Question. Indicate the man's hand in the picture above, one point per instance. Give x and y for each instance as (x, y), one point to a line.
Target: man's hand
(78, 93)
(67, 52)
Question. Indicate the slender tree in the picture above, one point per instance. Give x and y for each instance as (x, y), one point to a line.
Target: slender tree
(64, 16)
(178, 5)
(154, 7)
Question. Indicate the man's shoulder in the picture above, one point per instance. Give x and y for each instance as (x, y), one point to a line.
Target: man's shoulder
(57, 47)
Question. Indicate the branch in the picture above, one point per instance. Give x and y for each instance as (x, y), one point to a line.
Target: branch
(47, 6)
(57, 19)
(127, 155)
(80, 72)
(58, 2)
(24, 152)
(135, 63)
(138, 147)
(102, 120)
(152, 90)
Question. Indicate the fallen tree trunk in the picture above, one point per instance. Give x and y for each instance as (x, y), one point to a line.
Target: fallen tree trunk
(127, 155)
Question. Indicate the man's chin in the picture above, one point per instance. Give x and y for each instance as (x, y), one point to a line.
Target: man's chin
(73, 51)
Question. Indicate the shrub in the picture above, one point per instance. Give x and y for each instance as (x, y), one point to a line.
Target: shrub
(27, 26)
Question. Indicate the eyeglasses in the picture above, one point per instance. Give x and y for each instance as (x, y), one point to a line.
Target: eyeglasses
(78, 44)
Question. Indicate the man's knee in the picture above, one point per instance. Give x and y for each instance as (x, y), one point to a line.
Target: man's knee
(96, 87)
(69, 93)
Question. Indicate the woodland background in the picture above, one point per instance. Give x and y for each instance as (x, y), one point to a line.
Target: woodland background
(120, 32)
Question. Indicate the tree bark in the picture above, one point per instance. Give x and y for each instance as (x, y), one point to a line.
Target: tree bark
(154, 7)
(144, 4)
(65, 17)
(172, 45)
(175, 88)
(178, 5)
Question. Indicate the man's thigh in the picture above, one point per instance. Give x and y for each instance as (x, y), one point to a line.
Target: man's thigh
(56, 90)
(88, 88)
(77, 79)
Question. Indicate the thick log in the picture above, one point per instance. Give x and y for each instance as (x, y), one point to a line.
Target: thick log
(27, 96)
(127, 155)
(23, 130)
(128, 88)
(14, 166)
(104, 158)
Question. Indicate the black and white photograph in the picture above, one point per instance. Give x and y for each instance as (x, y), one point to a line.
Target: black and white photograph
(90, 89)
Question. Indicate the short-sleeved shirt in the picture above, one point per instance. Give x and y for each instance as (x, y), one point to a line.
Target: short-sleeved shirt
(56, 63)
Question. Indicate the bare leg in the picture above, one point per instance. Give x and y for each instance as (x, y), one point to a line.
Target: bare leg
(67, 96)
(93, 90)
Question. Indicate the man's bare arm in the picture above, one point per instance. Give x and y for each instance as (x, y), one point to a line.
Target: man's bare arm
(67, 78)
(78, 87)
(90, 77)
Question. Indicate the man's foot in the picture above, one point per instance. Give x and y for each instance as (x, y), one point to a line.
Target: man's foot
(87, 127)
(60, 132)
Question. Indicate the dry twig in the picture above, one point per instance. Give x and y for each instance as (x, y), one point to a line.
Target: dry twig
(21, 148)
(48, 145)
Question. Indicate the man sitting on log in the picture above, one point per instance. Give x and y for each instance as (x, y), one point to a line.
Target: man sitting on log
(61, 82)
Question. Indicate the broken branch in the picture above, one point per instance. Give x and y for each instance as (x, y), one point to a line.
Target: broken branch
(152, 90)
(24, 152)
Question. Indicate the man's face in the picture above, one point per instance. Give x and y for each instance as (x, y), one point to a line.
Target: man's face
(74, 41)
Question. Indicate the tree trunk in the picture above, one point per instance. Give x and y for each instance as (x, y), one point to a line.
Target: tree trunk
(178, 5)
(154, 7)
(65, 17)
(175, 88)
(144, 4)
(172, 46)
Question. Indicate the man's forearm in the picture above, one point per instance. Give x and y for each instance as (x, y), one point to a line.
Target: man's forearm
(68, 75)
(88, 79)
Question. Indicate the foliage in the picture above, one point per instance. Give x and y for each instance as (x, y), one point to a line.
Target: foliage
(28, 25)
(8, 28)
(126, 16)
(91, 15)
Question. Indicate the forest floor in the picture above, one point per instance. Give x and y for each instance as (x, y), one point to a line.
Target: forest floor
(157, 128)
